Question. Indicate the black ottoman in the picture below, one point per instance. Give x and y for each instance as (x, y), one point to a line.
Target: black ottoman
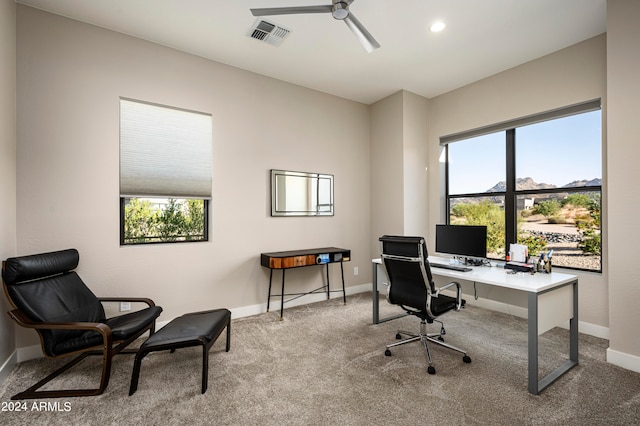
(194, 329)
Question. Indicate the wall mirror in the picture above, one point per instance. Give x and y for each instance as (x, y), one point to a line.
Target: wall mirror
(301, 194)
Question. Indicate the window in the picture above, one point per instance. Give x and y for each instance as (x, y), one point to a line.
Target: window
(165, 173)
(535, 181)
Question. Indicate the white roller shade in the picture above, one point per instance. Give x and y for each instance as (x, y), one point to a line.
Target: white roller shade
(164, 151)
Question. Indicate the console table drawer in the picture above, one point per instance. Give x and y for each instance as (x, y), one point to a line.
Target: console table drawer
(291, 262)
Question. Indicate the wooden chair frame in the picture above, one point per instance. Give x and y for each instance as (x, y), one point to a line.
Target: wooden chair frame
(106, 349)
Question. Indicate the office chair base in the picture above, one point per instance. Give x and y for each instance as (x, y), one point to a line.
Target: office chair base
(424, 337)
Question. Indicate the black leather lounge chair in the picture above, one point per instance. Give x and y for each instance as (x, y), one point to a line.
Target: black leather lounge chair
(48, 296)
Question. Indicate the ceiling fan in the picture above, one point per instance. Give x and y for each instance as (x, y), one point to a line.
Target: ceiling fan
(339, 10)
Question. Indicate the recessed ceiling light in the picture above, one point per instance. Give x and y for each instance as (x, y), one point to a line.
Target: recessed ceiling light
(437, 27)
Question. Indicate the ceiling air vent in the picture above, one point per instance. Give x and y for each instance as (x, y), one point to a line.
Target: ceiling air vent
(268, 32)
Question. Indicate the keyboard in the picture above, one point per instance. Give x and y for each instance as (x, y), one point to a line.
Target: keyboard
(450, 267)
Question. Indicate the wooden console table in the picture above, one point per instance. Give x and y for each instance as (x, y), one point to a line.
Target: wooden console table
(284, 260)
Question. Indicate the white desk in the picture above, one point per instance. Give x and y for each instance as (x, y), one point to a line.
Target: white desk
(552, 299)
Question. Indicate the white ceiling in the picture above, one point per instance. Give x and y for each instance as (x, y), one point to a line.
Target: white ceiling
(482, 38)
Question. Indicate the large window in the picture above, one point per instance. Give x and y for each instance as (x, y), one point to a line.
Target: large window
(165, 173)
(535, 181)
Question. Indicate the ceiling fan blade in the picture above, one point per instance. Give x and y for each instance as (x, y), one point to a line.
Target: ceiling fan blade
(266, 11)
(367, 40)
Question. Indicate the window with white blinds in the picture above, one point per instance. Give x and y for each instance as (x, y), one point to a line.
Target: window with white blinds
(164, 151)
(165, 173)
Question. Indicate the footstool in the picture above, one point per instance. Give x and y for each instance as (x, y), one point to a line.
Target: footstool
(194, 329)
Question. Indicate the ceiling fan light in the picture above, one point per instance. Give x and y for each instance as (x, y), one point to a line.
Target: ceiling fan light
(340, 10)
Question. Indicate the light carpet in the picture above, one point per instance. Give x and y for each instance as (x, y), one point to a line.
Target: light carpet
(324, 364)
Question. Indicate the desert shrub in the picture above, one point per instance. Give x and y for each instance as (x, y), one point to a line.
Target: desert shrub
(483, 213)
(577, 200)
(589, 229)
(535, 244)
(557, 220)
(547, 208)
(526, 213)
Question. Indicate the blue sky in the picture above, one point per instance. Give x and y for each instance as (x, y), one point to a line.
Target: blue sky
(555, 152)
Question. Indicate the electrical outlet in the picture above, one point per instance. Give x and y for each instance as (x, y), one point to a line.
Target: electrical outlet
(125, 306)
(355, 270)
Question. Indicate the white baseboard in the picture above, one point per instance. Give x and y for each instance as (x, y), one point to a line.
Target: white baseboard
(8, 365)
(274, 306)
(583, 327)
(29, 352)
(624, 360)
(593, 330)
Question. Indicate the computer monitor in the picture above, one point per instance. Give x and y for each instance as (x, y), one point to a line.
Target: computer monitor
(469, 241)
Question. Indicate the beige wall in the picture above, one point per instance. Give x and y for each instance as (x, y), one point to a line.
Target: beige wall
(7, 164)
(71, 76)
(399, 182)
(415, 158)
(623, 91)
(569, 76)
(387, 176)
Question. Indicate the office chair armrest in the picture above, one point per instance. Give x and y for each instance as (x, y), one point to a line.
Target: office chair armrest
(149, 302)
(458, 293)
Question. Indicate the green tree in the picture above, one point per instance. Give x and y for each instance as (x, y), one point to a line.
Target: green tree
(138, 220)
(194, 226)
(171, 222)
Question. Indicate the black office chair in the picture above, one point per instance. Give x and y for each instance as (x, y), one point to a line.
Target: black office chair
(411, 287)
(49, 296)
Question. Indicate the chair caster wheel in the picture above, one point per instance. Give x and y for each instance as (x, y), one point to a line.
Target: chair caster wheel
(466, 359)
(387, 353)
(443, 331)
(431, 370)
(398, 336)
(441, 338)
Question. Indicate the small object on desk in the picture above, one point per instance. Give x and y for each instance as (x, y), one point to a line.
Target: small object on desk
(450, 266)
(544, 263)
(518, 252)
(520, 266)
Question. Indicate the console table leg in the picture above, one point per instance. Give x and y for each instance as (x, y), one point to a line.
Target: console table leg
(344, 293)
(269, 296)
(327, 281)
(282, 297)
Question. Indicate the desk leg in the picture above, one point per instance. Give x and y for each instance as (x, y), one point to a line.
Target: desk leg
(376, 299)
(573, 326)
(374, 290)
(535, 386)
(282, 297)
(533, 343)
(269, 295)
(344, 293)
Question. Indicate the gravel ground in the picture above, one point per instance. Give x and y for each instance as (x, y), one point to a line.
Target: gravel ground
(566, 255)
